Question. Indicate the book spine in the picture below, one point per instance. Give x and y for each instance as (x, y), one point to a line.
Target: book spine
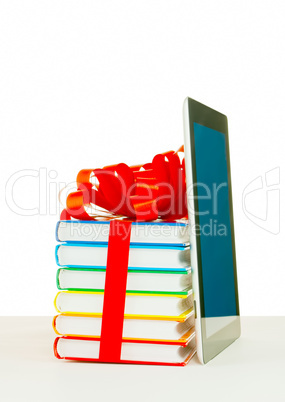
(56, 231)
(57, 279)
(56, 255)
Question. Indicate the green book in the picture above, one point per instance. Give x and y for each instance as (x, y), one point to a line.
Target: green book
(138, 281)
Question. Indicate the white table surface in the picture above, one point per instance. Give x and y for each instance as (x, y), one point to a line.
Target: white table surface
(252, 369)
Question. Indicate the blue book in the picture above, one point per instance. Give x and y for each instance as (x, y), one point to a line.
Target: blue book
(155, 233)
(146, 257)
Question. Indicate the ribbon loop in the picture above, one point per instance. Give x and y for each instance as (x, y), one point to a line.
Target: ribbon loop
(141, 192)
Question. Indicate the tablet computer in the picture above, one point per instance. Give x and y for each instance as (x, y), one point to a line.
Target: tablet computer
(210, 211)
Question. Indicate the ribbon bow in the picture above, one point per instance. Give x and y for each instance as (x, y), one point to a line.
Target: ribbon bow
(142, 192)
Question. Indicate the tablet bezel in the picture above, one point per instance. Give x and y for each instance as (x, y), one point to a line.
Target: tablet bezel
(195, 112)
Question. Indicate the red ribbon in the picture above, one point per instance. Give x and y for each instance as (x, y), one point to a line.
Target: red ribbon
(143, 192)
(115, 291)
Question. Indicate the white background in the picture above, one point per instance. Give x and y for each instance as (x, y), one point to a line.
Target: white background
(90, 83)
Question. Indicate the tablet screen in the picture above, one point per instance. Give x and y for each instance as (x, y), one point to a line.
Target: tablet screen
(214, 227)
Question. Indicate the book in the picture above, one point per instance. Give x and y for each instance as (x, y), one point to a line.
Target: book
(152, 321)
(139, 352)
(90, 326)
(150, 305)
(140, 256)
(85, 279)
(156, 233)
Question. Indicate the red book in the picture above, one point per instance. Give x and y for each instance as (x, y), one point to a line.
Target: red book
(132, 351)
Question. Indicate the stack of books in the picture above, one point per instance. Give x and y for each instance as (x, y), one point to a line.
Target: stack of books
(158, 320)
